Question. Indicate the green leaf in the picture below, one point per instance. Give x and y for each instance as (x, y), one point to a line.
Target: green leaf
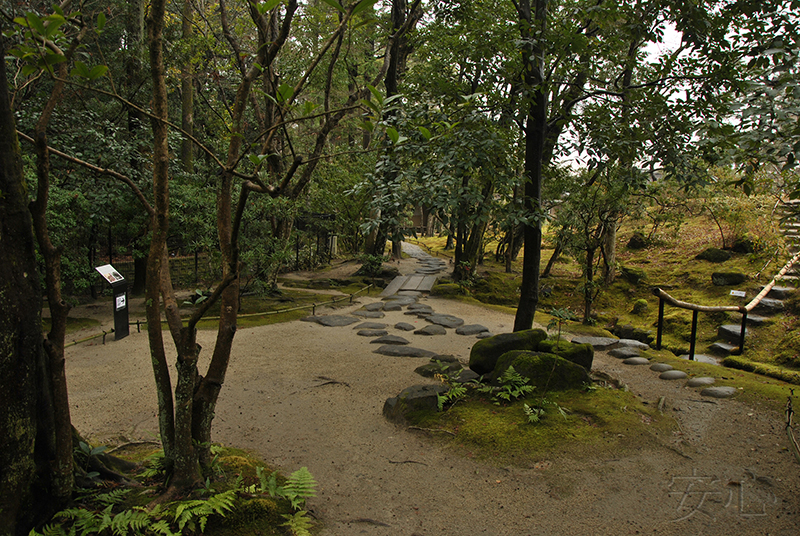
(393, 135)
(425, 133)
(285, 92)
(369, 104)
(35, 23)
(363, 6)
(80, 69)
(101, 21)
(267, 6)
(54, 22)
(97, 72)
(376, 94)
(335, 5)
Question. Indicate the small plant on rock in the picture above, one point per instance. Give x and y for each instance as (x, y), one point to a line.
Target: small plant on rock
(513, 386)
(560, 316)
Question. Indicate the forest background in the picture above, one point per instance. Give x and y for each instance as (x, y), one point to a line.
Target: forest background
(226, 130)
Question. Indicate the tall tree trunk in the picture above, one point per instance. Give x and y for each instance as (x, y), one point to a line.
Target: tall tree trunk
(187, 93)
(535, 132)
(27, 443)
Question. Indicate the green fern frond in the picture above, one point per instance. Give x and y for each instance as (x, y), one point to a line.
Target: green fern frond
(162, 527)
(130, 521)
(298, 523)
(112, 497)
(299, 486)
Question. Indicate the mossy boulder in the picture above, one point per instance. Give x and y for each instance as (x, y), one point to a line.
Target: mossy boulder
(547, 372)
(639, 307)
(638, 241)
(485, 353)
(580, 354)
(714, 255)
(723, 279)
(632, 275)
(413, 399)
(789, 350)
(448, 289)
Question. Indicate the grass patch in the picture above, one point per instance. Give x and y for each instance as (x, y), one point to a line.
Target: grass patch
(600, 421)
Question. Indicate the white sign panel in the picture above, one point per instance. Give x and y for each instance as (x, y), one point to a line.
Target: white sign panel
(738, 293)
(121, 302)
(110, 273)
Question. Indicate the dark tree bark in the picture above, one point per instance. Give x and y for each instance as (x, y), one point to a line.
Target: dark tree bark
(27, 438)
(532, 19)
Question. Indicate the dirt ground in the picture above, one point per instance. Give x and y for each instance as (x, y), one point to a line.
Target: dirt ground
(301, 394)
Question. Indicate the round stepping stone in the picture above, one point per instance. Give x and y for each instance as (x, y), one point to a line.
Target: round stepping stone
(702, 358)
(332, 320)
(433, 329)
(701, 382)
(376, 306)
(370, 325)
(625, 353)
(390, 339)
(368, 314)
(719, 392)
(673, 375)
(636, 361)
(372, 332)
(660, 367)
(471, 329)
(404, 326)
(448, 321)
(392, 306)
(403, 351)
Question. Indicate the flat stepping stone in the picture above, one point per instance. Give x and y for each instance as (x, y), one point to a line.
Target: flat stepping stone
(448, 321)
(484, 335)
(404, 326)
(704, 381)
(625, 353)
(372, 332)
(390, 339)
(419, 314)
(598, 343)
(376, 306)
(370, 325)
(433, 329)
(702, 358)
(394, 350)
(392, 306)
(467, 375)
(673, 375)
(660, 367)
(636, 361)
(471, 329)
(410, 293)
(420, 307)
(719, 392)
(632, 343)
(402, 300)
(368, 314)
(331, 320)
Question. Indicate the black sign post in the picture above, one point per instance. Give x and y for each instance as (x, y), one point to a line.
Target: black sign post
(120, 288)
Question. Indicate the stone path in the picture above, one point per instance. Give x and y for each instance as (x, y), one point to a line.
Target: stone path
(423, 278)
(630, 352)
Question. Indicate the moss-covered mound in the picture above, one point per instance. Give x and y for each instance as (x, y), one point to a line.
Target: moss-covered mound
(548, 372)
(485, 353)
(580, 354)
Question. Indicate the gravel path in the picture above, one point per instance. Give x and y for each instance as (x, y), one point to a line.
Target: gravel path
(303, 394)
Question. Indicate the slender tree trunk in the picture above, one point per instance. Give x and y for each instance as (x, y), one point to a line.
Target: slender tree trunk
(553, 258)
(588, 290)
(187, 93)
(535, 132)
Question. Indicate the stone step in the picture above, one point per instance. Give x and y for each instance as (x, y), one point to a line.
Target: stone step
(780, 293)
(722, 348)
(731, 333)
(769, 306)
(758, 320)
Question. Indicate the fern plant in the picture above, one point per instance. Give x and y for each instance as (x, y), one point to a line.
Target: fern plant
(513, 386)
(298, 523)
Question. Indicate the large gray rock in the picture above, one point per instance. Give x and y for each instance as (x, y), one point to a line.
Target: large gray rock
(331, 320)
(547, 372)
(448, 321)
(725, 279)
(715, 255)
(485, 353)
(598, 343)
(414, 398)
(403, 351)
(429, 370)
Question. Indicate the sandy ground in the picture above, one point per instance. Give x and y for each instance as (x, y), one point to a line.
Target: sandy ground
(301, 394)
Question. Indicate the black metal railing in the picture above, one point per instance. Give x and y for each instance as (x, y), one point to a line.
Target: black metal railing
(664, 298)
